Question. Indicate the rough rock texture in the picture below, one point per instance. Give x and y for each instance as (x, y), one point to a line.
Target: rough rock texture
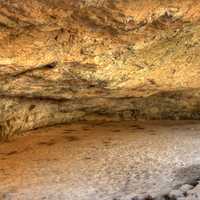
(64, 60)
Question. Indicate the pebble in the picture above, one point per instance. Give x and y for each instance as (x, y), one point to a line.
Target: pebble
(176, 194)
(186, 187)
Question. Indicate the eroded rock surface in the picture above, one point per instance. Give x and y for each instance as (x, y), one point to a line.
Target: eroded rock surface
(64, 60)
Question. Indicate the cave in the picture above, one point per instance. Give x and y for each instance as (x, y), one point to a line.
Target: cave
(99, 99)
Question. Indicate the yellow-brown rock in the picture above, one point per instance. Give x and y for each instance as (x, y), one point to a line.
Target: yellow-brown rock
(64, 60)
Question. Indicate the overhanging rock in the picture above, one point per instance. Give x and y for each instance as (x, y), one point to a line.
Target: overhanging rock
(97, 60)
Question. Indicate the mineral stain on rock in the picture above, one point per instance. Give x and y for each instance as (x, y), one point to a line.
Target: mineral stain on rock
(47, 143)
(72, 138)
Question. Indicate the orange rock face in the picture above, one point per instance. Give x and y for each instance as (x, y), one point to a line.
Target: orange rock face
(64, 60)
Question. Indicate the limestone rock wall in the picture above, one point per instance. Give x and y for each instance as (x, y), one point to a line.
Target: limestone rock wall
(64, 60)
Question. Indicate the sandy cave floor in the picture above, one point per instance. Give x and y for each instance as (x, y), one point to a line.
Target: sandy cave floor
(100, 161)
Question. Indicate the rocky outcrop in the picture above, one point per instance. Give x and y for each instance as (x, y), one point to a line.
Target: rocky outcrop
(64, 60)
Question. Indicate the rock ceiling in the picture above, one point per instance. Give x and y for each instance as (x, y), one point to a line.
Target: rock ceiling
(64, 60)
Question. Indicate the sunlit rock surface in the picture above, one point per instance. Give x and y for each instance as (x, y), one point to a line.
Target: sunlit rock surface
(64, 60)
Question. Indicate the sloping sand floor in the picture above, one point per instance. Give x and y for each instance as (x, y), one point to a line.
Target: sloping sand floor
(100, 161)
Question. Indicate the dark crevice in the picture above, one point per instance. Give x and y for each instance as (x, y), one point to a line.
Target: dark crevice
(49, 65)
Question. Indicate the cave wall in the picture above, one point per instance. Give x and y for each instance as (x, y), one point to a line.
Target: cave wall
(65, 60)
